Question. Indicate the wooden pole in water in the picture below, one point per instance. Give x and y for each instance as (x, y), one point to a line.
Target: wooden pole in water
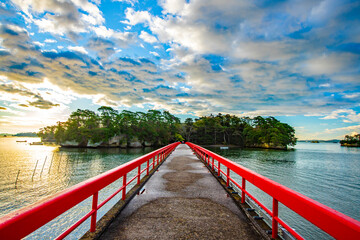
(43, 166)
(32, 178)
(17, 179)
(51, 162)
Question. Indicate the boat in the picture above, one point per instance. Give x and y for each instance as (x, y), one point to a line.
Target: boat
(224, 147)
(36, 143)
(21, 140)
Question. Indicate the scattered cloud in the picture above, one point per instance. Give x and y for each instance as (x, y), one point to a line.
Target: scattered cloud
(104, 48)
(243, 57)
(33, 99)
(43, 104)
(50, 40)
(348, 115)
(132, 2)
(79, 49)
(147, 37)
(60, 18)
(154, 53)
(342, 129)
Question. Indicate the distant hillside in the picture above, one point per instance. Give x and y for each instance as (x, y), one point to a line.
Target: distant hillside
(5, 134)
(26, 134)
(325, 141)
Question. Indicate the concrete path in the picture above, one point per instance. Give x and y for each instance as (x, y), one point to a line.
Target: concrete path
(181, 201)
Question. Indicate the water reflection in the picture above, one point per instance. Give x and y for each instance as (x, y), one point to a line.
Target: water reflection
(325, 172)
(48, 169)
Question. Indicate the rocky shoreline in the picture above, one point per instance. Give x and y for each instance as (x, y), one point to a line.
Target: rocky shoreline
(114, 142)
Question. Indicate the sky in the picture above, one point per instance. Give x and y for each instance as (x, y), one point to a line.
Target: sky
(297, 60)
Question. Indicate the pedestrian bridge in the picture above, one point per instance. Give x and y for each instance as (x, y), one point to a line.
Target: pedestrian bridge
(191, 195)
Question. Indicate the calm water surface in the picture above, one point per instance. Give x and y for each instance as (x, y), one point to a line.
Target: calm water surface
(325, 172)
(45, 170)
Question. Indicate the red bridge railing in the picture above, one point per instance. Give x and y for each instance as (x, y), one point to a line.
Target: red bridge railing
(21, 223)
(329, 220)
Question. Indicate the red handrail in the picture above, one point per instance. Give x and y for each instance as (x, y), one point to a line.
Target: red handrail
(22, 222)
(329, 220)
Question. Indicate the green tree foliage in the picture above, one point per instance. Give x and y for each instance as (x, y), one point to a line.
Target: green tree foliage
(351, 140)
(84, 126)
(158, 128)
(230, 129)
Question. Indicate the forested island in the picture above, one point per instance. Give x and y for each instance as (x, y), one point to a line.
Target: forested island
(110, 128)
(351, 141)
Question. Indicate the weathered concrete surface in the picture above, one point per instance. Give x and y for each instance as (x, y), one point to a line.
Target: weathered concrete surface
(181, 201)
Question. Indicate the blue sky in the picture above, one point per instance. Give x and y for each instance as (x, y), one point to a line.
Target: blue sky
(296, 60)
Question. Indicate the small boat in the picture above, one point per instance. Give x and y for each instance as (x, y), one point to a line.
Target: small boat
(36, 143)
(21, 140)
(224, 147)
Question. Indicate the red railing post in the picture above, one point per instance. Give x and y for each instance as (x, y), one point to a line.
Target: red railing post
(227, 176)
(218, 168)
(243, 186)
(147, 167)
(124, 188)
(94, 208)
(213, 163)
(138, 177)
(275, 215)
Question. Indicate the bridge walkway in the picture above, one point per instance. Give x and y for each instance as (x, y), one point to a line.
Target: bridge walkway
(181, 201)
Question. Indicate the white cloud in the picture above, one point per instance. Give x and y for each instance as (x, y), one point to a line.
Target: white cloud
(342, 129)
(173, 7)
(352, 95)
(123, 39)
(348, 115)
(154, 53)
(147, 37)
(50, 41)
(79, 49)
(325, 85)
(137, 17)
(329, 64)
(39, 44)
(62, 17)
(132, 2)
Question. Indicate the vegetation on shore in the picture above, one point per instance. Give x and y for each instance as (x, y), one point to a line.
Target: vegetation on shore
(156, 128)
(245, 132)
(351, 141)
(85, 126)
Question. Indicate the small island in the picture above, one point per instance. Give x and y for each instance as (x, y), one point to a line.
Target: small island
(351, 141)
(126, 129)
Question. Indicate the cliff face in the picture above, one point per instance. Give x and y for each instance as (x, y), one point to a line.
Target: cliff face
(116, 141)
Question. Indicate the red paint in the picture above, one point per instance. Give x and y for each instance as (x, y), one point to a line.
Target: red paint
(94, 208)
(329, 220)
(227, 176)
(147, 167)
(138, 175)
(243, 187)
(20, 223)
(274, 216)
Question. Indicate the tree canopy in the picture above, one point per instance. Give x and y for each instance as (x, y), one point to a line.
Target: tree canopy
(83, 126)
(246, 132)
(158, 128)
